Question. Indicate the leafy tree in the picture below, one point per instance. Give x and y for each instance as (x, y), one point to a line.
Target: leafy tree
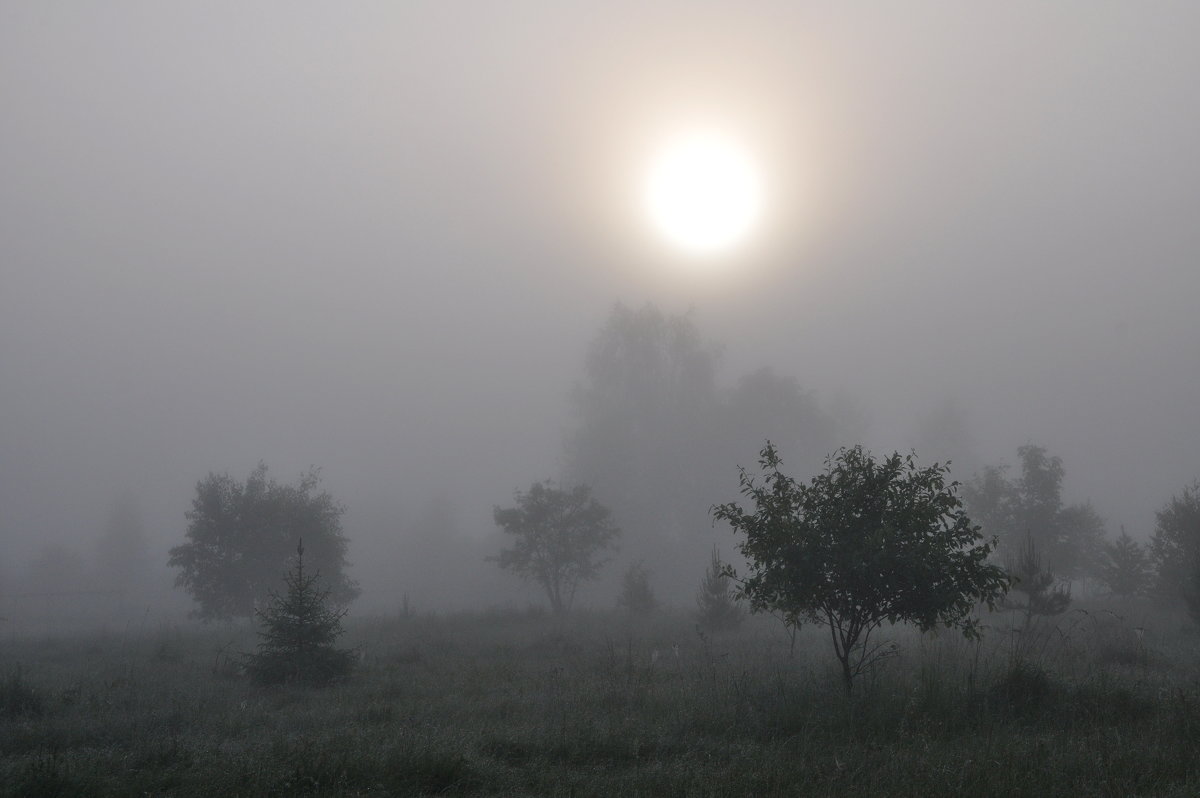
(637, 597)
(299, 634)
(862, 544)
(643, 431)
(1044, 594)
(1070, 538)
(1175, 549)
(1080, 541)
(1125, 570)
(239, 535)
(559, 534)
(717, 606)
(764, 405)
(652, 425)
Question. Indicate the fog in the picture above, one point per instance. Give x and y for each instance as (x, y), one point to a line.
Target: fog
(380, 238)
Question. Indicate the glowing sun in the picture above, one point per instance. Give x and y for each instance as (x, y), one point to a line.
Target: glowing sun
(703, 193)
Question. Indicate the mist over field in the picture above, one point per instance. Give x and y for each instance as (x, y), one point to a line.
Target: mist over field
(555, 399)
(381, 239)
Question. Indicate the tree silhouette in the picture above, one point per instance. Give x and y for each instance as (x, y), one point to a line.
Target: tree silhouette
(239, 535)
(1125, 570)
(717, 607)
(559, 534)
(1175, 549)
(863, 544)
(299, 632)
(1070, 538)
(1044, 594)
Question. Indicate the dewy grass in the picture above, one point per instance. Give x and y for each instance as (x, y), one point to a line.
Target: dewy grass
(18, 697)
(516, 704)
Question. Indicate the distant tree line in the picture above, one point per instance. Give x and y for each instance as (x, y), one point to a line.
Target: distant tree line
(1038, 535)
(649, 453)
(655, 432)
(117, 565)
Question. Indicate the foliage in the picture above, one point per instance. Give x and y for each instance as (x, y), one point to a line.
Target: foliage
(652, 426)
(863, 543)
(1175, 549)
(764, 404)
(643, 435)
(559, 534)
(299, 634)
(1125, 570)
(1071, 538)
(1044, 594)
(239, 535)
(1080, 540)
(717, 606)
(637, 597)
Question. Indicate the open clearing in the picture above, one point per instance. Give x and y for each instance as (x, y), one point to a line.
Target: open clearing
(513, 703)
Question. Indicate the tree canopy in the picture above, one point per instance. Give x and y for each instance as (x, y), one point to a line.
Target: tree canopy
(558, 536)
(1175, 548)
(863, 543)
(1125, 570)
(652, 426)
(644, 415)
(240, 534)
(1070, 538)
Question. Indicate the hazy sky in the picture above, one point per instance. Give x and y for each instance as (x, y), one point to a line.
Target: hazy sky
(376, 237)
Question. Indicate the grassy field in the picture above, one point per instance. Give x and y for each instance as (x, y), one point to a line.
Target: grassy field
(515, 704)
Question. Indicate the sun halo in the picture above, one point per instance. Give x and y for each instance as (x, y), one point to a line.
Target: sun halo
(703, 193)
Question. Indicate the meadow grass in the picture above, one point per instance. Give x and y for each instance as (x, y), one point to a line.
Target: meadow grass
(510, 703)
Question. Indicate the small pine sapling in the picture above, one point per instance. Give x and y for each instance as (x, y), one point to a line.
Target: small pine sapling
(1125, 569)
(1044, 594)
(717, 607)
(299, 634)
